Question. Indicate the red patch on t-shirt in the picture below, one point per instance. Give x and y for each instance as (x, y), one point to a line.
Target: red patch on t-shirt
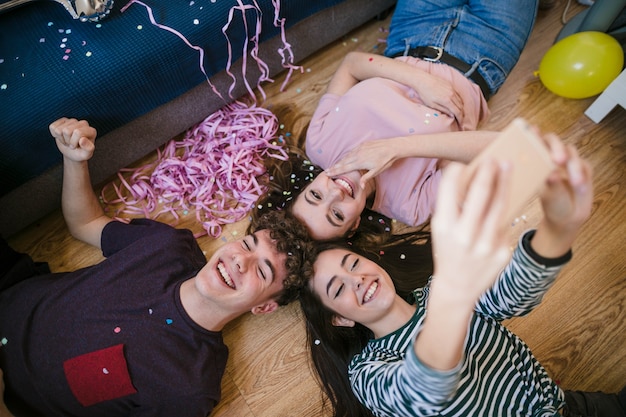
(99, 376)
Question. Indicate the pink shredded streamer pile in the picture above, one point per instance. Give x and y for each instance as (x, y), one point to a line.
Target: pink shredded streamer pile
(216, 175)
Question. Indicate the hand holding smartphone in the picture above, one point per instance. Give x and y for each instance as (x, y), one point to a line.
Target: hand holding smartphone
(529, 158)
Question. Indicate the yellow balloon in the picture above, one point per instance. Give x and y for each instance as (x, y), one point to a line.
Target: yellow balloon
(581, 65)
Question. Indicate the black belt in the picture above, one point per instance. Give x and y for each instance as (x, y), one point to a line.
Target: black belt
(436, 54)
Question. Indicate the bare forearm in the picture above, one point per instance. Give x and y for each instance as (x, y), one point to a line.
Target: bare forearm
(441, 342)
(360, 66)
(81, 207)
(453, 146)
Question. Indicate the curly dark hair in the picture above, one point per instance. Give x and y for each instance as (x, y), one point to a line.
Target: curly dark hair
(292, 239)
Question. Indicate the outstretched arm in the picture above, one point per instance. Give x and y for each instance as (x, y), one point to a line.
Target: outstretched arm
(375, 156)
(82, 211)
(566, 201)
(435, 92)
(469, 247)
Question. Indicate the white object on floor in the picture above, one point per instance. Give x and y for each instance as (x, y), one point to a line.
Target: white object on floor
(613, 95)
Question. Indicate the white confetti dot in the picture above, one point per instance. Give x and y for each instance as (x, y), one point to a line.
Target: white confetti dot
(402, 256)
(105, 371)
(196, 22)
(88, 53)
(139, 27)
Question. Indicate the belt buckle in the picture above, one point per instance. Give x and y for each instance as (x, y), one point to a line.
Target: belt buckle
(439, 54)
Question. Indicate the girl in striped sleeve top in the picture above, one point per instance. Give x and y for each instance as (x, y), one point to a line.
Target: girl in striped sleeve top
(448, 353)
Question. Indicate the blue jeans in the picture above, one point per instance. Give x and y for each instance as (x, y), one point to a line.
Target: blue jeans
(487, 34)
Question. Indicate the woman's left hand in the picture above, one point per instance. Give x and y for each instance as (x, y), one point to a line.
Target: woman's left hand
(439, 94)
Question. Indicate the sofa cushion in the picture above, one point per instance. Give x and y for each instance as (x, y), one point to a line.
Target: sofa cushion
(113, 71)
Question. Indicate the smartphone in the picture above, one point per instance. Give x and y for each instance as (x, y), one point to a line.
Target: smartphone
(530, 163)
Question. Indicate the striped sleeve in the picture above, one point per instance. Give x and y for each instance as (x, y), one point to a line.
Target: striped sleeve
(521, 285)
(388, 377)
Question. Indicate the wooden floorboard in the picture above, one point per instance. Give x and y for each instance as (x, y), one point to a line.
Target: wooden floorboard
(579, 331)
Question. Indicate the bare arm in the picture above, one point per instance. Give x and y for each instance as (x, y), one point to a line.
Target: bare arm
(566, 201)
(470, 248)
(435, 92)
(81, 209)
(377, 155)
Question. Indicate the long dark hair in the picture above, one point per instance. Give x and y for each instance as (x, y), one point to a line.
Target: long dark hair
(409, 263)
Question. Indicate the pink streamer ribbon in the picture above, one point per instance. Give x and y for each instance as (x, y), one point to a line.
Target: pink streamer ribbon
(216, 175)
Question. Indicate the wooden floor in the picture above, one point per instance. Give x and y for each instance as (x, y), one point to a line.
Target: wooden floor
(578, 333)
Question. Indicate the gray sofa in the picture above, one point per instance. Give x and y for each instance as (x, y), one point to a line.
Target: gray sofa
(132, 140)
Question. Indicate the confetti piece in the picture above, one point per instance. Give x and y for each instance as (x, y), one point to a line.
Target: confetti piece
(99, 25)
(3, 87)
(42, 40)
(88, 53)
(105, 371)
(4, 341)
(149, 311)
(117, 329)
(317, 341)
(50, 23)
(402, 256)
(169, 321)
(139, 27)
(66, 57)
(196, 22)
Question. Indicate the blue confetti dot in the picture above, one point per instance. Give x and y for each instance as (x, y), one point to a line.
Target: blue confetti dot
(168, 321)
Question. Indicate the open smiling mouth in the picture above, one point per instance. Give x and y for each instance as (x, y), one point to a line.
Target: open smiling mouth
(345, 185)
(224, 274)
(370, 292)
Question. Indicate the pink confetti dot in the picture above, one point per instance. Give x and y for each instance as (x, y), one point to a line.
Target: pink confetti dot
(117, 329)
(66, 57)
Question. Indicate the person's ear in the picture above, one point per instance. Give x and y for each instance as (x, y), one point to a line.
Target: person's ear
(340, 321)
(268, 307)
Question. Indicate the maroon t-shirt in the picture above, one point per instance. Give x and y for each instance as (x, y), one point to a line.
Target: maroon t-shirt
(112, 339)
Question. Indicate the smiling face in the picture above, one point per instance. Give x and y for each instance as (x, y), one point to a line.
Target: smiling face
(352, 286)
(331, 207)
(243, 275)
